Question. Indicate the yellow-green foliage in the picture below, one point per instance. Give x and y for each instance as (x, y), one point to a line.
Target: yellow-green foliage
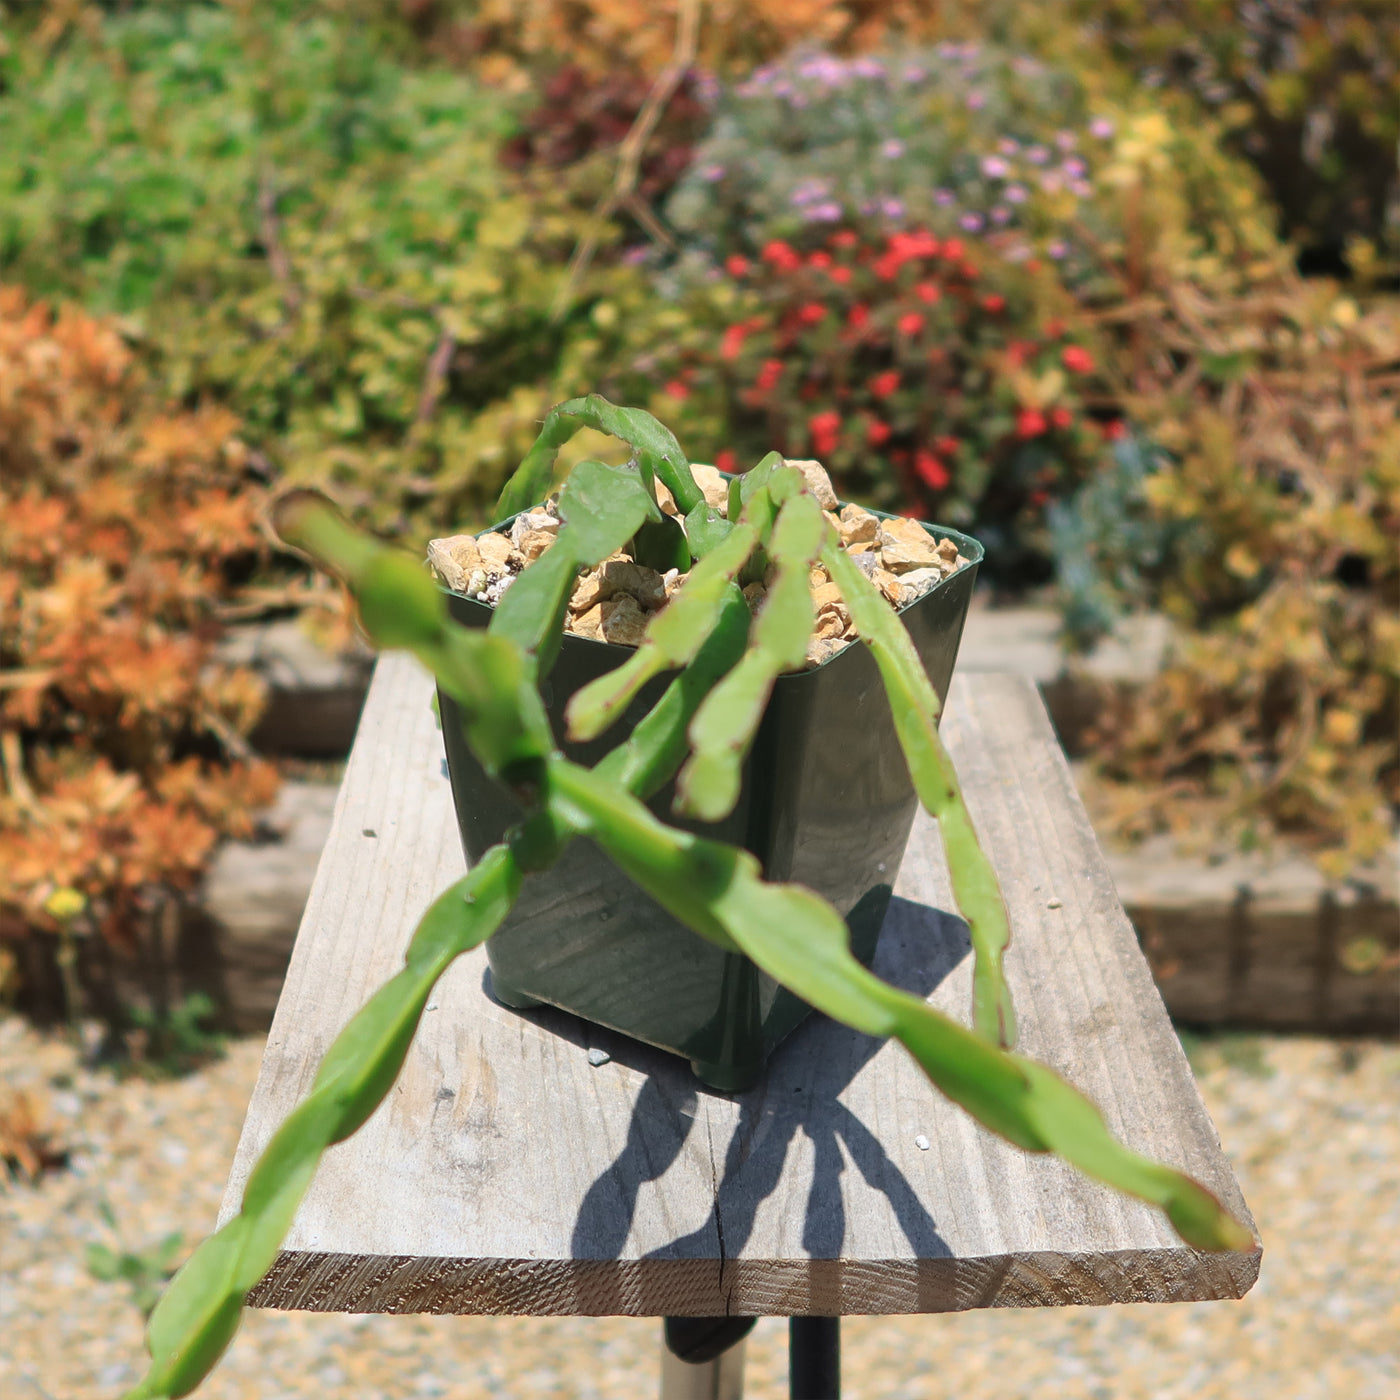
(318, 235)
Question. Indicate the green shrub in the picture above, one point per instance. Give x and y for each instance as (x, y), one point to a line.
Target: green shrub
(961, 138)
(314, 233)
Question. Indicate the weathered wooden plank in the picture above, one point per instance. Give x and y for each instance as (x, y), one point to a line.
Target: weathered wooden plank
(507, 1175)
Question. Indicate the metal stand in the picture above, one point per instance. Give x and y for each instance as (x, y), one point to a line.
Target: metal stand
(814, 1358)
(703, 1358)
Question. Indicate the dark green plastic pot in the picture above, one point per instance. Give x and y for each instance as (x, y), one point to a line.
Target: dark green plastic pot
(826, 801)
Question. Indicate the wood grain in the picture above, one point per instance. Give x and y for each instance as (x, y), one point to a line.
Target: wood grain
(505, 1174)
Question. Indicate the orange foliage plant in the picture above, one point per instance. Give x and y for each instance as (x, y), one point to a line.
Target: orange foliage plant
(122, 758)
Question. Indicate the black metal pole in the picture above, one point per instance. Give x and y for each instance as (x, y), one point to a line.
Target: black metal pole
(814, 1358)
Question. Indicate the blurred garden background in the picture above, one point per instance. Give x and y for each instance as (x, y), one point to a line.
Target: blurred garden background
(1113, 285)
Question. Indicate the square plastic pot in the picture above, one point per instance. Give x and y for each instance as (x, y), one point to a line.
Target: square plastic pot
(826, 801)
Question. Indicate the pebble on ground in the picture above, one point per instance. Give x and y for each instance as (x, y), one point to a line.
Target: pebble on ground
(1312, 1127)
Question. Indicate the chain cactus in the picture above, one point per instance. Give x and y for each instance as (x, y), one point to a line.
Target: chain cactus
(701, 728)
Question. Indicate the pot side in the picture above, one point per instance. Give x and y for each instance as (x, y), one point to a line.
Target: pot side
(826, 802)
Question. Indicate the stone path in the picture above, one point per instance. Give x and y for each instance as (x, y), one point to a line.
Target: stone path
(1313, 1128)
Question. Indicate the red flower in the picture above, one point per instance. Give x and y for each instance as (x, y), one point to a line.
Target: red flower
(859, 317)
(919, 244)
(825, 429)
(782, 257)
(726, 460)
(876, 432)
(819, 260)
(736, 266)
(811, 313)
(945, 445)
(928, 291)
(840, 274)
(883, 385)
(1033, 266)
(844, 239)
(969, 271)
(994, 303)
(1030, 422)
(1115, 430)
(1061, 418)
(1038, 498)
(953, 249)
(1019, 351)
(911, 323)
(931, 471)
(887, 265)
(1055, 328)
(1077, 359)
(769, 375)
(732, 341)
(677, 390)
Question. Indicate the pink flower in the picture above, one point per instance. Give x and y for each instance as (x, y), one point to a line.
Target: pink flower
(910, 324)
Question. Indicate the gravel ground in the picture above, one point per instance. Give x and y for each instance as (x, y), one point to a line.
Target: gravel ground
(1312, 1126)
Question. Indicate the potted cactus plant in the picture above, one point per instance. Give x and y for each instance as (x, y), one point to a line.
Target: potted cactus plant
(712, 664)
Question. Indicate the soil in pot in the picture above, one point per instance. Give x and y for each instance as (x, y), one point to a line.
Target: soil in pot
(826, 799)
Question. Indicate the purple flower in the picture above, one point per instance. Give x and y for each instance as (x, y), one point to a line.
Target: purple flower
(995, 168)
(892, 149)
(892, 208)
(1082, 188)
(971, 223)
(706, 87)
(1001, 215)
(1007, 146)
(867, 67)
(976, 100)
(943, 197)
(915, 74)
(810, 191)
(637, 254)
(1075, 168)
(1057, 249)
(828, 213)
(1014, 194)
(1037, 155)
(1065, 140)
(1101, 127)
(712, 173)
